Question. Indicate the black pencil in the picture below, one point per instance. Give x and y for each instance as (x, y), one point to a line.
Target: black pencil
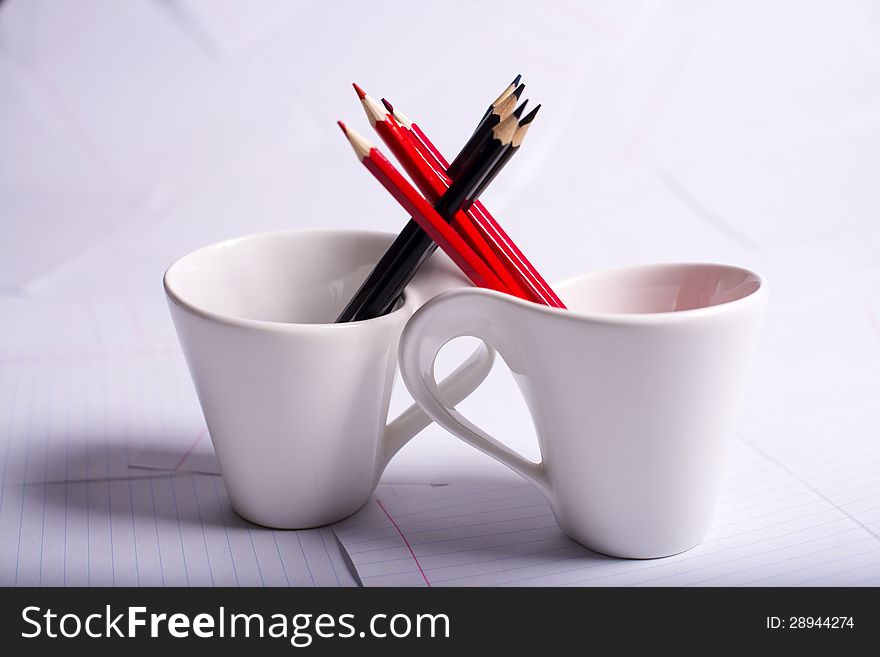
(479, 165)
(509, 152)
(465, 159)
(504, 94)
(496, 113)
(401, 256)
(381, 290)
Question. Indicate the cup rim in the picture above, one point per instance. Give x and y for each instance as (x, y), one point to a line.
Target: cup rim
(272, 325)
(755, 297)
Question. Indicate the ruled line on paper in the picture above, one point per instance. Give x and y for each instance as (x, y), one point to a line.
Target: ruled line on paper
(172, 530)
(758, 450)
(467, 536)
(72, 512)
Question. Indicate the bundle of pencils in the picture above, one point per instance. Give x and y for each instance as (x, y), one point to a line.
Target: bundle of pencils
(445, 209)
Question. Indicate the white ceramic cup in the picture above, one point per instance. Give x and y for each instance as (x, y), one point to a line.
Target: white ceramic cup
(634, 392)
(297, 406)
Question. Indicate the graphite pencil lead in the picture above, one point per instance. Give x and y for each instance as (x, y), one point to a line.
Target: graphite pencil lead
(528, 118)
(516, 80)
(519, 90)
(519, 110)
(360, 92)
(358, 142)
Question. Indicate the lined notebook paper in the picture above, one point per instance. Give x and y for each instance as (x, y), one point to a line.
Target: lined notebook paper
(72, 511)
(154, 531)
(771, 528)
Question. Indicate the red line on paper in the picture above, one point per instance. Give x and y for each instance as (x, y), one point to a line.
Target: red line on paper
(190, 449)
(408, 546)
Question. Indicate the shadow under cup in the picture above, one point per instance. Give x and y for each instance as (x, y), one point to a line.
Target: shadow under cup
(296, 406)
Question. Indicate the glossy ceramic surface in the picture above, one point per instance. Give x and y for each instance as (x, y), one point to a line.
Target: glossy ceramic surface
(634, 392)
(297, 406)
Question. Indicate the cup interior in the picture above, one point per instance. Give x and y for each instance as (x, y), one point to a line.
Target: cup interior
(660, 288)
(303, 277)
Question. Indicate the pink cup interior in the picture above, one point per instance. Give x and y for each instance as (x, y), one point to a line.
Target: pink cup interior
(659, 288)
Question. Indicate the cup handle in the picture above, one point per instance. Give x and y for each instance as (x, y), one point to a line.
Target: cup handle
(469, 312)
(458, 385)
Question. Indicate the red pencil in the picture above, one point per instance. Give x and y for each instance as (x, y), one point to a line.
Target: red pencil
(423, 212)
(433, 182)
(496, 236)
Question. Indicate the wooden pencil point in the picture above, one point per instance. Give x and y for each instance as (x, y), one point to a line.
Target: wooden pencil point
(506, 106)
(360, 92)
(504, 94)
(519, 135)
(503, 132)
(402, 119)
(358, 142)
(375, 112)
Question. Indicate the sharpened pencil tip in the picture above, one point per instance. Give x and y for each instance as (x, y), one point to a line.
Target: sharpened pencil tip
(388, 105)
(530, 116)
(375, 112)
(518, 112)
(360, 92)
(516, 79)
(360, 145)
(519, 90)
(508, 90)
